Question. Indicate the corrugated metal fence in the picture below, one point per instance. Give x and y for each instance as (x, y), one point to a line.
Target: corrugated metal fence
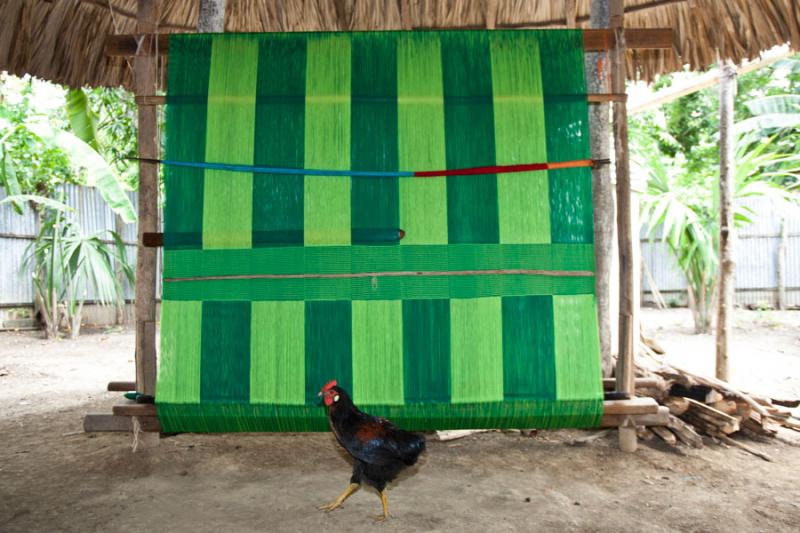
(756, 252)
(17, 232)
(756, 255)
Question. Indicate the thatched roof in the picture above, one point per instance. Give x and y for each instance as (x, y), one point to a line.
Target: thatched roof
(62, 40)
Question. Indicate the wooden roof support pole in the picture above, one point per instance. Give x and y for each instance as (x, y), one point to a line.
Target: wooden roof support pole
(727, 93)
(628, 308)
(144, 68)
(212, 16)
(602, 187)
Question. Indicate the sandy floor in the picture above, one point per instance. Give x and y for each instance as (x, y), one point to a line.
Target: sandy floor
(54, 478)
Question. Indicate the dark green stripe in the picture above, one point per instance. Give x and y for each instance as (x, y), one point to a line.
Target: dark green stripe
(374, 202)
(469, 135)
(328, 346)
(188, 75)
(279, 139)
(225, 355)
(528, 353)
(346, 259)
(417, 417)
(400, 288)
(567, 125)
(426, 350)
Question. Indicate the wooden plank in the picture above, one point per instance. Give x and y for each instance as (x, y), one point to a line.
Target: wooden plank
(128, 408)
(660, 418)
(121, 386)
(634, 406)
(594, 40)
(103, 422)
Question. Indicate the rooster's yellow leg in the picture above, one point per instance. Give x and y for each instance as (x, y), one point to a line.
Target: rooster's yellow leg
(385, 504)
(351, 488)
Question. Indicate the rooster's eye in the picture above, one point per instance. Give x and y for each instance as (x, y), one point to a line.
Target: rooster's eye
(336, 398)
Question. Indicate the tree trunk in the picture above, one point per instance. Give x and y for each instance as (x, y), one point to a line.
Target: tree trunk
(727, 92)
(212, 16)
(602, 188)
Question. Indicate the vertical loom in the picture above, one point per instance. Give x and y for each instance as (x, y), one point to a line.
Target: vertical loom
(464, 231)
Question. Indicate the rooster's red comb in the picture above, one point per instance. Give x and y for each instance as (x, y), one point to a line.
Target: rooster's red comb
(329, 385)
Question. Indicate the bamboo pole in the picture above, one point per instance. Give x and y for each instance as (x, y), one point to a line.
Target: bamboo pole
(727, 93)
(144, 68)
(602, 188)
(212, 16)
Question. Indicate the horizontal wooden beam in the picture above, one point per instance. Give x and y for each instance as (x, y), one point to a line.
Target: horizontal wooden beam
(597, 98)
(660, 418)
(641, 383)
(121, 386)
(634, 406)
(95, 422)
(594, 40)
(129, 408)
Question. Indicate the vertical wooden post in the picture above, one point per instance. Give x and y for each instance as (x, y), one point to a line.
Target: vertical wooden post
(144, 69)
(596, 65)
(727, 92)
(627, 307)
(780, 297)
(571, 13)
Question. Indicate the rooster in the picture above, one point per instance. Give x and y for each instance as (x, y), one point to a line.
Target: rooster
(379, 448)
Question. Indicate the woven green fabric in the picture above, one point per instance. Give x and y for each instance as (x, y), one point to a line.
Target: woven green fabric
(276, 284)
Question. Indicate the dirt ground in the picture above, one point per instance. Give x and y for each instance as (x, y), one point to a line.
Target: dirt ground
(55, 478)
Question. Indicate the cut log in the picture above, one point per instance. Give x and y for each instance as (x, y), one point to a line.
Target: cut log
(640, 383)
(713, 418)
(644, 433)
(677, 405)
(729, 407)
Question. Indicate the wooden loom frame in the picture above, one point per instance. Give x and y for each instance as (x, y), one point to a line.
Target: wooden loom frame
(146, 47)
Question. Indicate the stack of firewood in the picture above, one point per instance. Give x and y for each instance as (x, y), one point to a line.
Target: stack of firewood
(701, 406)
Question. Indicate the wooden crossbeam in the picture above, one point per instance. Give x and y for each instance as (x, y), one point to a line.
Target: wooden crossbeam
(659, 418)
(97, 422)
(122, 386)
(129, 408)
(594, 40)
(634, 406)
(596, 98)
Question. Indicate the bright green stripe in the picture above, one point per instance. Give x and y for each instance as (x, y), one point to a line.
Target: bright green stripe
(277, 353)
(228, 198)
(327, 139)
(528, 357)
(567, 121)
(279, 138)
(346, 259)
(400, 288)
(476, 363)
(578, 375)
(420, 110)
(469, 127)
(373, 202)
(378, 352)
(225, 352)
(520, 137)
(328, 332)
(418, 417)
(179, 361)
(190, 60)
(426, 350)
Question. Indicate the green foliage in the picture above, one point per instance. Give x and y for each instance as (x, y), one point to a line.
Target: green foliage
(677, 148)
